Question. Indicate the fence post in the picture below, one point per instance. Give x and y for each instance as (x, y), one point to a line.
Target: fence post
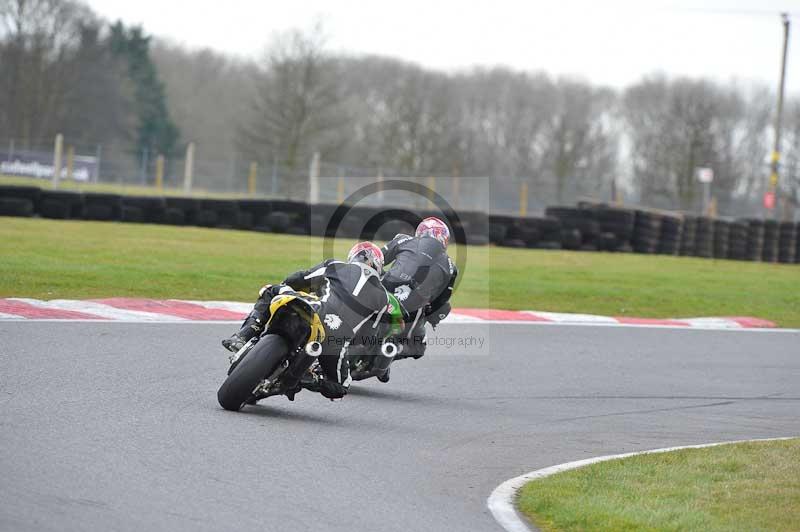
(98, 155)
(523, 198)
(160, 172)
(10, 150)
(70, 162)
(251, 178)
(431, 188)
(340, 190)
(57, 149)
(274, 177)
(313, 180)
(188, 168)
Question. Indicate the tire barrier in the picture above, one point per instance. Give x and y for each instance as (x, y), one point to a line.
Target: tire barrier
(16, 207)
(721, 237)
(589, 226)
(143, 209)
(704, 237)
(188, 207)
(61, 204)
(770, 251)
(646, 231)
(737, 240)
(671, 234)
(797, 243)
(102, 207)
(688, 236)
(755, 239)
(787, 238)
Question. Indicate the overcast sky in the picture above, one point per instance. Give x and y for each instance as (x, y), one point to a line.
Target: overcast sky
(612, 42)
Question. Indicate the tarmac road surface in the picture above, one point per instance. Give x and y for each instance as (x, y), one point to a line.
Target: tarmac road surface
(116, 426)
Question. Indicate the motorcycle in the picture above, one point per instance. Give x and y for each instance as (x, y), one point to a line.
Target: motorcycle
(274, 362)
(367, 361)
(372, 357)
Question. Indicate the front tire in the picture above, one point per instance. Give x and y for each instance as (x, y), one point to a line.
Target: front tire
(262, 360)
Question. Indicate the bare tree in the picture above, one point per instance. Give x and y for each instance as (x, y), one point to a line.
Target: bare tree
(298, 106)
(582, 143)
(38, 36)
(790, 171)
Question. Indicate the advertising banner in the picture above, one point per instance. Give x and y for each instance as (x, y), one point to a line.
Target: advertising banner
(40, 164)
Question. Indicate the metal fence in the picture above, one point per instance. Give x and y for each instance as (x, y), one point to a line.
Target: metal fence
(111, 166)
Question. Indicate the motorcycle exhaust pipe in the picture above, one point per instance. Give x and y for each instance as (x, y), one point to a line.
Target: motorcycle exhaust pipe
(381, 363)
(313, 349)
(302, 361)
(389, 349)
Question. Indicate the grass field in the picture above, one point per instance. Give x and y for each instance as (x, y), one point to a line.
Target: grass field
(74, 259)
(749, 486)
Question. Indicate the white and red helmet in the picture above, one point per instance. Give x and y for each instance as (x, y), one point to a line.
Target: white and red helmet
(435, 228)
(367, 253)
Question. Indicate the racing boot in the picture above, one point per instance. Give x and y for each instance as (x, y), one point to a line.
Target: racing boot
(327, 388)
(385, 377)
(252, 326)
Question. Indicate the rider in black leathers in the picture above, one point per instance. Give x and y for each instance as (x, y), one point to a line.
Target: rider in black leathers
(422, 278)
(352, 304)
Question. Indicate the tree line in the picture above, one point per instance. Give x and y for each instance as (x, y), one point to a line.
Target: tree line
(63, 69)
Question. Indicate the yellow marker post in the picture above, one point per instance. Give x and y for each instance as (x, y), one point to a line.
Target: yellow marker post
(523, 198)
(70, 161)
(340, 190)
(431, 188)
(251, 178)
(160, 172)
(773, 180)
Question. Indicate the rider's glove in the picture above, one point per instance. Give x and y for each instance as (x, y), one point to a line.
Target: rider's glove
(295, 279)
(267, 292)
(435, 316)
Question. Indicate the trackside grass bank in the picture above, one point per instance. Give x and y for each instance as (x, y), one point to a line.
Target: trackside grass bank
(48, 259)
(747, 486)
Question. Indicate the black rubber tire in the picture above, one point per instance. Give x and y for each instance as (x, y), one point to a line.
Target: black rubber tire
(497, 233)
(571, 239)
(298, 230)
(260, 362)
(72, 200)
(16, 207)
(132, 214)
(174, 216)
(55, 209)
(98, 211)
(206, 218)
(278, 221)
(477, 239)
(244, 220)
(514, 243)
(21, 192)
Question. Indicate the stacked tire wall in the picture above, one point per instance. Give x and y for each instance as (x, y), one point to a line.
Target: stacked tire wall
(585, 227)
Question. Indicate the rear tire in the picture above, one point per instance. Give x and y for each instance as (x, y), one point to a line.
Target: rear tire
(257, 364)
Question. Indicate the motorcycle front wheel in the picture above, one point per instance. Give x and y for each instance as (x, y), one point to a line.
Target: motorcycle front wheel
(260, 362)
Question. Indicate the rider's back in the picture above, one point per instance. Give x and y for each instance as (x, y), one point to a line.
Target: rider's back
(420, 272)
(353, 292)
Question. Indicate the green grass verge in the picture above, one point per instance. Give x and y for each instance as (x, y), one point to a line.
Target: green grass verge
(74, 259)
(748, 486)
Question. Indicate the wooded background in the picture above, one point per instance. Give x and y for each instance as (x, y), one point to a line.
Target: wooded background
(108, 86)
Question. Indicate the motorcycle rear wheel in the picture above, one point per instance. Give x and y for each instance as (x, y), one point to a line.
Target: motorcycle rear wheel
(259, 363)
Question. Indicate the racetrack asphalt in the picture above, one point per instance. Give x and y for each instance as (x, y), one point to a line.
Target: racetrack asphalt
(116, 426)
